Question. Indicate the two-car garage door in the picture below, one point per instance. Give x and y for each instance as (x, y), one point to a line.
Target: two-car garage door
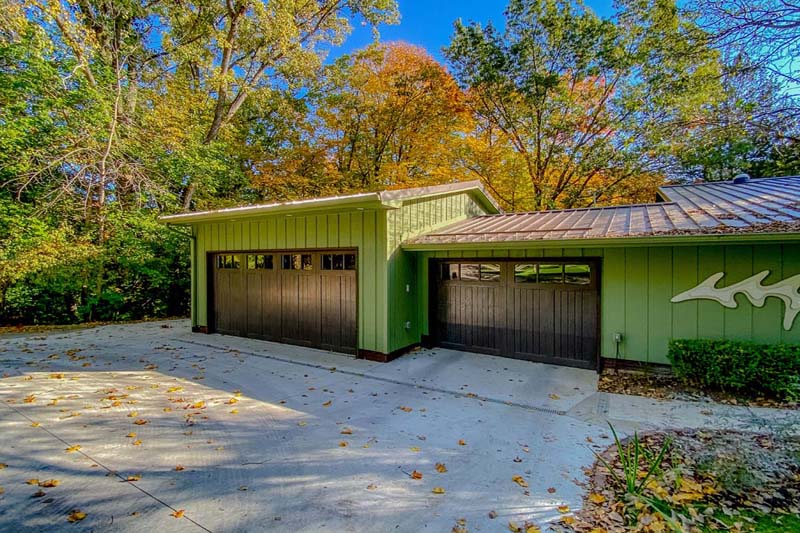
(544, 311)
(298, 297)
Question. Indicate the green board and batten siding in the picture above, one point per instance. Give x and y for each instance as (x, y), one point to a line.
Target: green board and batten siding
(364, 230)
(410, 219)
(637, 284)
(383, 307)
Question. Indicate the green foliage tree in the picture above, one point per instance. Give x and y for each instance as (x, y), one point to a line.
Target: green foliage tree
(581, 100)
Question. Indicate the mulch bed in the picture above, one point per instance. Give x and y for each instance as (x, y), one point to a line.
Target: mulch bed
(709, 481)
(664, 385)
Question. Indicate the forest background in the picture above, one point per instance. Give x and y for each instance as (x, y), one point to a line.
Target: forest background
(113, 112)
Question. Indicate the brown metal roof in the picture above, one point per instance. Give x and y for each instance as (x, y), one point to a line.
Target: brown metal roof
(759, 205)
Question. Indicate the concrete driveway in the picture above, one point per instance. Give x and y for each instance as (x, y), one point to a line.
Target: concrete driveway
(240, 435)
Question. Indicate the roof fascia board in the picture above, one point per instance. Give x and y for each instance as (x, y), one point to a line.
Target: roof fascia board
(611, 242)
(324, 205)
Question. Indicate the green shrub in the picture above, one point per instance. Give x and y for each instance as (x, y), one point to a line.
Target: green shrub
(740, 367)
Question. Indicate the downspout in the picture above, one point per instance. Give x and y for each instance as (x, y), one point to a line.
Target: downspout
(192, 273)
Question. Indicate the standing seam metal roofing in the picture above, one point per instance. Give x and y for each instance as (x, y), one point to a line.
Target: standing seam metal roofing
(759, 205)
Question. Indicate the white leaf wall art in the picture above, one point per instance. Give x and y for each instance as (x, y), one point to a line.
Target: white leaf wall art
(788, 290)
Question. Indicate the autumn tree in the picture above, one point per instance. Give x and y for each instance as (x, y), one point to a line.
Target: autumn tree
(387, 116)
(580, 100)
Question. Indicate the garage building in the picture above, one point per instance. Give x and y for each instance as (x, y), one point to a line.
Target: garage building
(375, 274)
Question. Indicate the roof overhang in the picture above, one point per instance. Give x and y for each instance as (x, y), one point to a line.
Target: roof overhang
(610, 242)
(345, 203)
(386, 200)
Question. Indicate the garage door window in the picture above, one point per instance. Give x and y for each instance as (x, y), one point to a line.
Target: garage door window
(470, 272)
(296, 262)
(525, 273)
(490, 272)
(339, 262)
(577, 274)
(550, 273)
(259, 262)
(450, 272)
(227, 261)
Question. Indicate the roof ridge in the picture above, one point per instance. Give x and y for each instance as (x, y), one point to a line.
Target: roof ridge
(729, 182)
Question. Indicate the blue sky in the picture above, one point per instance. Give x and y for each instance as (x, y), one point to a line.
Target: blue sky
(429, 23)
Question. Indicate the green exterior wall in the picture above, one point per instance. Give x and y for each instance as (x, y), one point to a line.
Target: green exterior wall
(364, 230)
(637, 283)
(411, 219)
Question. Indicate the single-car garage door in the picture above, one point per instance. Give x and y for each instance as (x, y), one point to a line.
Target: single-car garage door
(544, 311)
(298, 297)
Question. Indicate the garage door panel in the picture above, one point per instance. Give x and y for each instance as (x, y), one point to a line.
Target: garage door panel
(295, 301)
(338, 311)
(551, 318)
(270, 306)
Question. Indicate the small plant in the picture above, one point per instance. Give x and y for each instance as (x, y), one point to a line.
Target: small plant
(632, 482)
(630, 456)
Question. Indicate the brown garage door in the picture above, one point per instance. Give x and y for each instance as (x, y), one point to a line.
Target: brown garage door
(543, 311)
(298, 297)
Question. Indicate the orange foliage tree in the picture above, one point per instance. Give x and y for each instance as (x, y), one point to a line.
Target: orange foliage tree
(388, 116)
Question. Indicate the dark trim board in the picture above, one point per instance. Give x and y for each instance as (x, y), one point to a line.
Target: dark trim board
(554, 323)
(380, 357)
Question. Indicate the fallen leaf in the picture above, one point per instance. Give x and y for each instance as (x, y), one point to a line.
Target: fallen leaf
(416, 475)
(140, 422)
(177, 514)
(234, 411)
(131, 435)
(462, 442)
(232, 401)
(174, 389)
(551, 490)
(76, 516)
(568, 520)
(414, 449)
(198, 405)
(136, 443)
(3, 465)
(302, 423)
(38, 494)
(372, 486)
(35, 424)
(441, 468)
(33, 481)
(343, 444)
(563, 509)
(73, 448)
(327, 404)
(134, 477)
(437, 490)
(133, 414)
(49, 483)
(596, 498)
(554, 396)
(406, 409)
(179, 468)
(519, 480)
(29, 399)
(346, 431)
